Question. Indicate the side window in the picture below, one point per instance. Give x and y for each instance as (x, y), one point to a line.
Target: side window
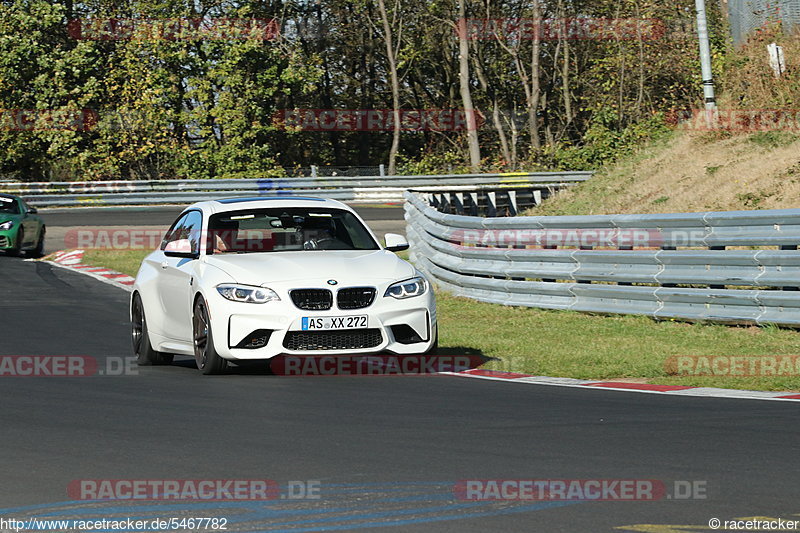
(173, 233)
(187, 227)
(192, 228)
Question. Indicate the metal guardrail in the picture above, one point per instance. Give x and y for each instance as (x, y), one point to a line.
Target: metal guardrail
(345, 188)
(665, 266)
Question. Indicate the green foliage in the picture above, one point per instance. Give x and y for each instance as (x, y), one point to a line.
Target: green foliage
(605, 144)
(431, 162)
(180, 107)
(165, 108)
(773, 139)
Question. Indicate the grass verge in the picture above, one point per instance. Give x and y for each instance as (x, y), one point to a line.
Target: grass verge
(568, 344)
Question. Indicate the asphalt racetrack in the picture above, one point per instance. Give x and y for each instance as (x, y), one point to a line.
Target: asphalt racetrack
(367, 453)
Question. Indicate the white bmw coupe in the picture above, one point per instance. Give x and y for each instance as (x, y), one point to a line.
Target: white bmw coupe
(242, 279)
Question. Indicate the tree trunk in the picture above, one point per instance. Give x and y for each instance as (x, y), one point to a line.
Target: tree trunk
(533, 101)
(387, 37)
(466, 94)
(496, 120)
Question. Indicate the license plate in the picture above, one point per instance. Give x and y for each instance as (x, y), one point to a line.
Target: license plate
(334, 322)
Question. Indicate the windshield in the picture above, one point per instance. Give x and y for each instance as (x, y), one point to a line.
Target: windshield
(8, 205)
(284, 230)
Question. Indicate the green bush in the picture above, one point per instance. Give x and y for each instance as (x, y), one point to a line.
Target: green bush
(604, 143)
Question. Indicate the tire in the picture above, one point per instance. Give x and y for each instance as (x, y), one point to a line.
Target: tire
(142, 349)
(16, 251)
(208, 360)
(39, 250)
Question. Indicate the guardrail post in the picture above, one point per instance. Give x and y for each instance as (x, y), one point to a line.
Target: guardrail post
(444, 202)
(716, 248)
(459, 203)
(473, 209)
(314, 171)
(582, 247)
(789, 247)
(512, 202)
(537, 197)
(491, 204)
(381, 170)
(625, 283)
(669, 284)
(549, 247)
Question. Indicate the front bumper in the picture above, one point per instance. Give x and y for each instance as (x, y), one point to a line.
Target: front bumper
(244, 331)
(8, 239)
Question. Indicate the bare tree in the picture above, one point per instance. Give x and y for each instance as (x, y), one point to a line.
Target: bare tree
(496, 120)
(466, 93)
(391, 56)
(530, 76)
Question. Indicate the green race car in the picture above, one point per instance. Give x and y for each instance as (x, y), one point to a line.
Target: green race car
(21, 229)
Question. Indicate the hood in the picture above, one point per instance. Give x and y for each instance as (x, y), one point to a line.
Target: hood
(347, 267)
(5, 217)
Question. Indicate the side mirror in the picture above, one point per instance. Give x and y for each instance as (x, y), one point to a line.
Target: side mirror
(180, 248)
(33, 210)
(395, 242)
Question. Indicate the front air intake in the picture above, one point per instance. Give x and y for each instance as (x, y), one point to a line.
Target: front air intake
(347, 339)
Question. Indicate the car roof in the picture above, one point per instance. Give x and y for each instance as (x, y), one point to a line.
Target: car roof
(223, 205)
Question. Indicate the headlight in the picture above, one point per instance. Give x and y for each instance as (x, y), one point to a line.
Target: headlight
(7, 225)
(247, 293)
(408, 288)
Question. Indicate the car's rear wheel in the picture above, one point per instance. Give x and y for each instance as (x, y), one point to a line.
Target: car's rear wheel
(208, 360)
(145, 354)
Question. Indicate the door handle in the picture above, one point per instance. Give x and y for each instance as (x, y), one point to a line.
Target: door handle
(164, 264)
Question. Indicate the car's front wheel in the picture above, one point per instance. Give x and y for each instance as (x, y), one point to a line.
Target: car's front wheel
(17, 249)
(208, 360)
(39, 250)
(142, 349)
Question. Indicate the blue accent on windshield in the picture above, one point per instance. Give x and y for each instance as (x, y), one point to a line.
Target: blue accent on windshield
(258, 199)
